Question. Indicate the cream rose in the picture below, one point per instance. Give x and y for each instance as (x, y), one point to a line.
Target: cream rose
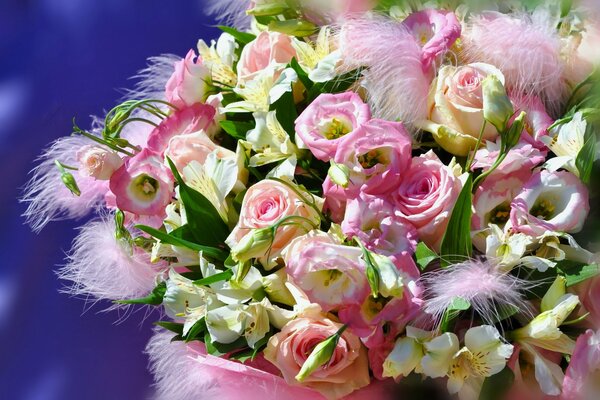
(347, 371)
(267, 50)
(266, 204)
(98, 162)
(186, 148)
(455, 107)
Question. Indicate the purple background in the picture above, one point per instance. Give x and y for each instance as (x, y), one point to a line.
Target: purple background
(60, 59)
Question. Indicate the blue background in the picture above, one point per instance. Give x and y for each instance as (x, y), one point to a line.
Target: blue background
(60, 59)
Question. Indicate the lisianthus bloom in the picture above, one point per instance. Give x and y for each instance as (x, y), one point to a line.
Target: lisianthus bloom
(589, 293)
(456, 107)
(371, 219)
(436, 31)
(550, 201)
(537, 120)
(98, 162)
(581, 380)
(376, 156)
(183, 149)
(143, 186)
(268, 203)
(523, 157)
(187, 120)
(426, 197)
(347, 371)
(331, 274)
(330, 120)
(269, 49)
(189, 83)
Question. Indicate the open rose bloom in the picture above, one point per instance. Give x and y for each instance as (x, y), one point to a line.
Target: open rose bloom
(352, 200)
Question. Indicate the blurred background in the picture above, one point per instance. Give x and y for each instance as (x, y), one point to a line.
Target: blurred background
(60, 59)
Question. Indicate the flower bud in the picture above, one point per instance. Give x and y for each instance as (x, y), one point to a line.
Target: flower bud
(276, 289)
(497, 108)
(293, 27)
(68, 179)
(339, 174)
(554, 294)
(267, 8)
(511, 136)
(390, 280)
(320, 355)
(254, 244)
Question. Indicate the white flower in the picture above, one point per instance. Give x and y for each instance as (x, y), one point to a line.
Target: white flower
(219, 57)
(185, 301)
(318, 59)
(506, 247)
(484, 355)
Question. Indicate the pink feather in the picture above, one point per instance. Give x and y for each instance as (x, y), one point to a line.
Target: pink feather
(488, 289)
(151, 81)
(396, 82)
(526, 48)
(47, 197)
(229, 12)
(102, 267)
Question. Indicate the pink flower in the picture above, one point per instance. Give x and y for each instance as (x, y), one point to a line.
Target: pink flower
(267, 203)
(143, 185)
(189, 83)
(187, 120)
(376, 155)
(537, 120)
(436, 31)
(550, 201)
(581, 378)
(331, 274)
(326, 13)
(524, 156)
(267, 50)
(97, 162)
(330, 120)
(372, 220)
(494, 196)
(589, 294)
(347, 371)
(426, 197)
(186, 148)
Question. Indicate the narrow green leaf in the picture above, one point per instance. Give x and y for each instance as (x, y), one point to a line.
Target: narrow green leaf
(457, 244)
(587, 156)
(166, 238)
(204, 220)
(218, 349)
(196, 331)
(497, 386)
(302, 75)
(457, 305)
(155, 298)
(424, 255)
(171, 326)
(222, 276)
(286, 112)
(237, 129)
(577, 273)
(242, 37)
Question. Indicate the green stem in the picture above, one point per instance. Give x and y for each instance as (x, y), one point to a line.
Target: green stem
(472, 155)
(484, 175)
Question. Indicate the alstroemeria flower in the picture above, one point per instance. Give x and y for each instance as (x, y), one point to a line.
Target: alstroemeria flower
(320, 59)
(219, 57)
(143, 185)
(330, 120)
(377, 155)
(331, 274)
(550, 201)
(436, 31)
(485, 354)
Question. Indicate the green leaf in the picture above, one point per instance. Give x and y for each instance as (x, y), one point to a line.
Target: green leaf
(171, 326)
(249, 354)
(457, 305)
(196, 331)
(204, 221)
(302, 75)
(171, 239)
(587, 156)
(576, 273)
(340, 84)
(424, 255)
(218, 349)
(242, 37)
(155, 298)
(286, 112)
(457, 244)
(222, 276)
(237, 129)
(497, 386)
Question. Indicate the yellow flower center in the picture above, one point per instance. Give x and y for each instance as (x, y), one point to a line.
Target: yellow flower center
(336, 129)
(543, 209)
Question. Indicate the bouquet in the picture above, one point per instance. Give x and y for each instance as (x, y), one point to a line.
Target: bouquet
(351, 199)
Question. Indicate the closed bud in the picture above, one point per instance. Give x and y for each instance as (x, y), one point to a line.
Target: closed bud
(320, 355)
(68, 179)
(339, 174)
(554, 294)
(267, 8)
(277, 291)
(511, 136)
(497, 108)
(255, 244)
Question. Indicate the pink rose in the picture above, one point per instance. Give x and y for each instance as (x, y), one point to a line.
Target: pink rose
(186, 148)
(376, 155)
(143, 185)
(189, 83)
(187, 120)
(331, 274)
(347, 371)
(267, 203)
(436, 31)
(494, 196)
(426, 197)
(97, 162)
(581, 377)
(330, 120)
(524, 156)
(550, 201)
(267, 50)
(372, 220)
